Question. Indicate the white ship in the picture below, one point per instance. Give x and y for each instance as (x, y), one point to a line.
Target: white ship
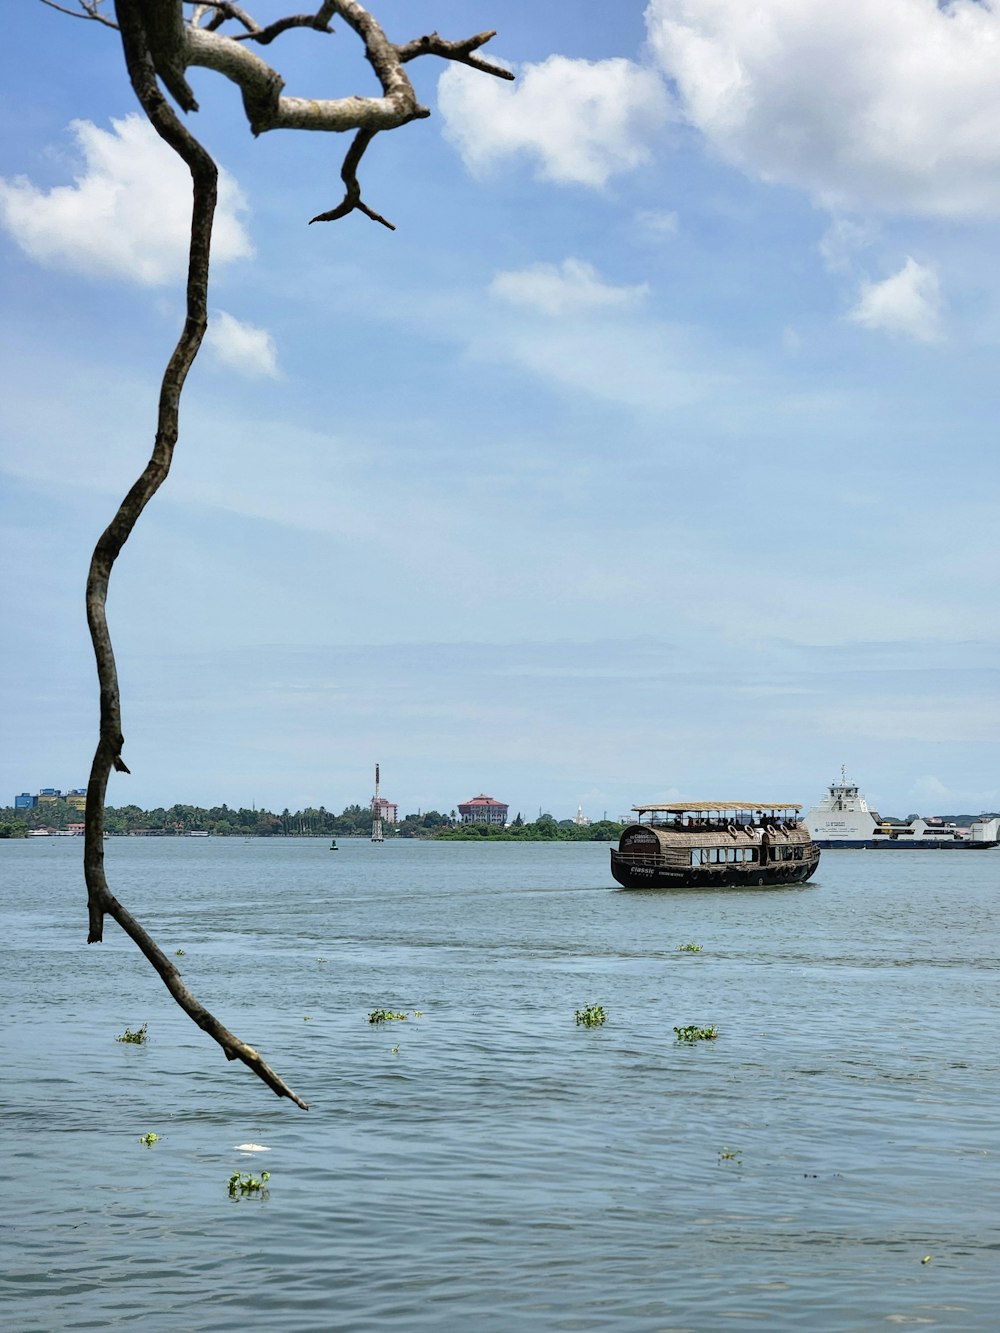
(843, 818)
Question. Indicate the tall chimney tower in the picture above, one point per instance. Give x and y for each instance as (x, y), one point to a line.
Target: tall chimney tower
(377, 813)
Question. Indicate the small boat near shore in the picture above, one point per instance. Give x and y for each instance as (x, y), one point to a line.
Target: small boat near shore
(714, 845)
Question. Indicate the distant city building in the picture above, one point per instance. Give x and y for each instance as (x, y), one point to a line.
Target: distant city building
(76, 799)
(386, 810)
(483, 810)
(580, 819)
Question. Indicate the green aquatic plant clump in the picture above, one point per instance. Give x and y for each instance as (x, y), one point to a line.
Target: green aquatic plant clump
(689, 948)
(148, 1140)
(694, 1033)
(385, 1016)
(135, 1038)
(592, 1016)
(242, 1184)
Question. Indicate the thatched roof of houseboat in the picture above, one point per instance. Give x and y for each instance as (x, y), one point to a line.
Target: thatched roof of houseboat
(702, 807)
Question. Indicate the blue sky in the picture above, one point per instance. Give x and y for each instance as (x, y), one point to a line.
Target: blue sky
(651, 457)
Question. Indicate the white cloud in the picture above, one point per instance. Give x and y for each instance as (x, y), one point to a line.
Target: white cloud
(931, 789)
(127, 214)
(556, 288)
(583, 121)
(908, 303)
(841, 242)
(658, 222)
(892, 106)
(242, 347)
(640, 365)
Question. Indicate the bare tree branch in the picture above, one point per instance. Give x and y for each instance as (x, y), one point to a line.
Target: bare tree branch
(349, 175)
(176, 44)
(463, 52)
(160, 45)
(89, 10)
(204, 178)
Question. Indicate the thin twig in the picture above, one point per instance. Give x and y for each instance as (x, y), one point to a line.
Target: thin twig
(90, 11)
(349, 175)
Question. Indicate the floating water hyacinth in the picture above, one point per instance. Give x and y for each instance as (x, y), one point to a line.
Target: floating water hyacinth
(135, 1038)
(385, 1016)
(694, 1033)
(243, 1184)
(592, 1016)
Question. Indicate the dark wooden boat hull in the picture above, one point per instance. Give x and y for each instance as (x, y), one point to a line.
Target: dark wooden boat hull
(648, 875)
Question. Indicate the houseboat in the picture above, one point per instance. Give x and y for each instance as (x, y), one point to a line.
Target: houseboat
(714, 845)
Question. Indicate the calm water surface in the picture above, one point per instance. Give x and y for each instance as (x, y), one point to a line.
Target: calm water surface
(490, 1164)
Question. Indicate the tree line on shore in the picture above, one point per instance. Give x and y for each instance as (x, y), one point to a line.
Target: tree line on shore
(354, 821)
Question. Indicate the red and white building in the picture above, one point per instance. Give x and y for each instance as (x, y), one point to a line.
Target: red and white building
(483, 809)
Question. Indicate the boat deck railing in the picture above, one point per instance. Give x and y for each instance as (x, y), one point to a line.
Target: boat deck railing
(641, 858)
(722, 826)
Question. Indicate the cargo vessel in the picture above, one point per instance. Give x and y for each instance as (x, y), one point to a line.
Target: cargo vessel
(843, 818)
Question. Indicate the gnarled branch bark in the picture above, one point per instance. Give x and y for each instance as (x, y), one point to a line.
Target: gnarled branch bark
(101, 902)
(175, 45)
(160, 45)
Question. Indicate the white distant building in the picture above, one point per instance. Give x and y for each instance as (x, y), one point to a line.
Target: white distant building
(580, 819)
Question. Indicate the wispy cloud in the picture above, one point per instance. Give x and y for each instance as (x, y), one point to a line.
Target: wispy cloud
(842, 241)
(242, 347)
(659, 223)
(581, 121)
(908, 303)
(127, 213)
(555, 289)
